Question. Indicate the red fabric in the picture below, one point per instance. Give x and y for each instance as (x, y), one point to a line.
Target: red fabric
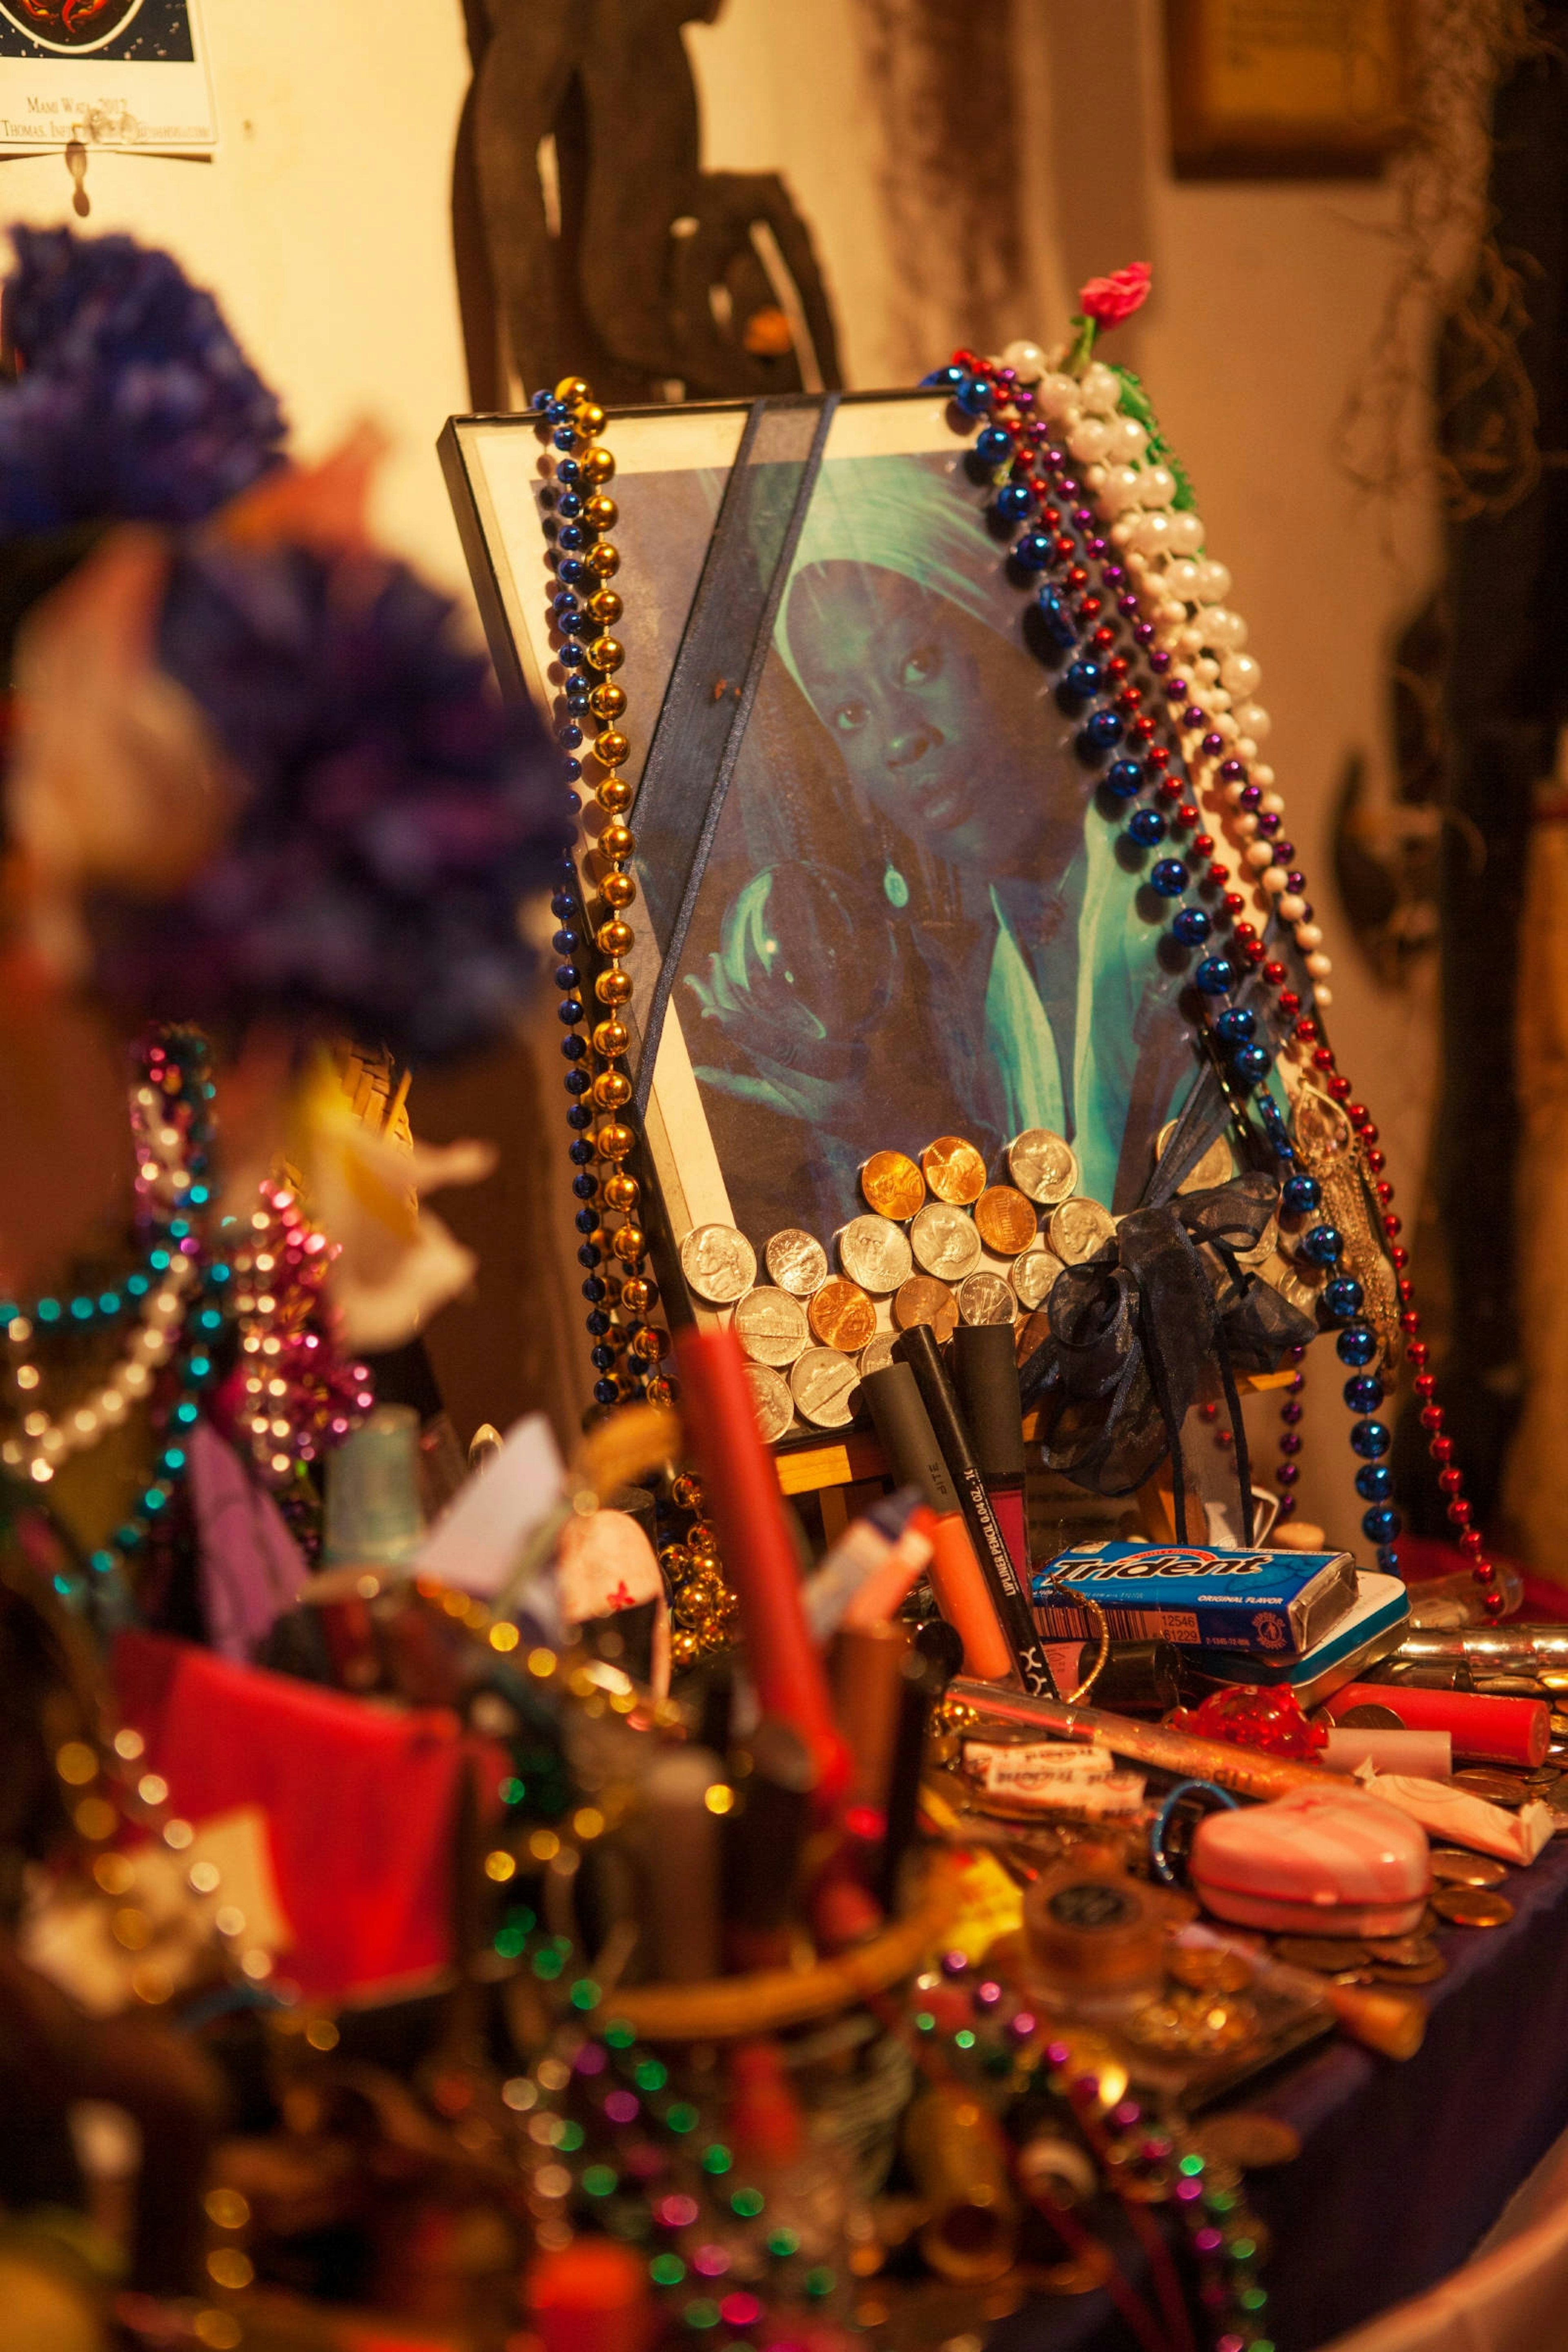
(360, 1801)
(1424, 1556)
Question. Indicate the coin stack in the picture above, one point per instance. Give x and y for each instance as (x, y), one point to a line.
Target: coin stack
(938, 1243)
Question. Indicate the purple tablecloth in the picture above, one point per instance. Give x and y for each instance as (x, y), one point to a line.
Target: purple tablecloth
(1403, 2167)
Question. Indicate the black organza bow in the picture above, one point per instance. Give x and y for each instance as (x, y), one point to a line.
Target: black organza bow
(1138, 1333)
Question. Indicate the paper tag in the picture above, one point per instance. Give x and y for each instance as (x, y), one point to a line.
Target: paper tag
(475, 1544)
(1009, 1766)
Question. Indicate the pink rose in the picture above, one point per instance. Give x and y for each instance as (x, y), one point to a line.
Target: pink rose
(1109, 300)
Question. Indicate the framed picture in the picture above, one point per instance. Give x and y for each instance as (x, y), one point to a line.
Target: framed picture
(1286, 88)
(105, 73)
(913, 921)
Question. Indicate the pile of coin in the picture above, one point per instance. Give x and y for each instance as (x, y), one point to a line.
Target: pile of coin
(916, 1255)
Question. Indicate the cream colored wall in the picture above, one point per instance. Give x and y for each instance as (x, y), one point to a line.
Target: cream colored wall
(323, 225)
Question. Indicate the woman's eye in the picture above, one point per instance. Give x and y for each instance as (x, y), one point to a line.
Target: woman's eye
(849, 716)
(922, 665)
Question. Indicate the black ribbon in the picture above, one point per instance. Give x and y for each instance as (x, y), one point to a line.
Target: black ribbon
(1135, 1331)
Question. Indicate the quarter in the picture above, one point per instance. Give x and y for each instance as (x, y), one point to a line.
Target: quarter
(822, 1382)
(985, 1297)
(796, 1262)
(922, 1300)
(1452, 1868)
(893, 1185)
(771, 1402)
(954, 1170)
(841, 1316)
(1043, 1165)
(771, 1326)
(1472, 1906)
(719, 1263)
(875, 1252)
(945, 1242)
(1078, 1229)
(1034, 1277)
(1006, 1221)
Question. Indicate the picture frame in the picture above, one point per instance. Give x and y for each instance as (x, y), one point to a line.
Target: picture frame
(1308, 89)
(913, 919)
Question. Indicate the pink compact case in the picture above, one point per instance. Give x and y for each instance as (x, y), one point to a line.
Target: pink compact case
(1316, 1863)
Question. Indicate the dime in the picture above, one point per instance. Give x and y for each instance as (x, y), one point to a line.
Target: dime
(1043, 1165)
(771, 1326)
(1207, 1972)
(841, 1314)
(953, 1168)
(1402, 1951)
(1078, 1229)
(875, 1252)
(719, 1263)
(1248, 2140)
(1325, 1954)
(985, 1297)
(945, 1242)
(877, 1353)
(1034, 1276)
(1452, 1868)
(822, 1382)
(893, 1185)
(1216, 1166)
(921, 1300)
(796, 1262)
(1472, 1906)
(1502, 1787)
(1006, 1221)
(771, 1402)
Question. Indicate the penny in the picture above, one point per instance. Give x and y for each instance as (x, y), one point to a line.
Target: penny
(954, 1170)
(1452, 1868)
(877, 1353)
(841, 1314)
(1217, 1164)
(1006, 1221)
(1078, 1229)
(1369, 1718)
(770, 1326)
(985, 1297)
(1324, 1953)
(771, 1402)
(1042, 1165)
(719, 1263)
(893, 1185)
(1207, 1972)
(1034, 1276)
(1472, 1906)
(1500, 1788)
(1030, 1335)
(1246, 2138)
(874, 1253)
(1423, 1972)
(796, 1262)
(1402, 1951)
(822, 1382)
(921, 1300)
(945, 1242)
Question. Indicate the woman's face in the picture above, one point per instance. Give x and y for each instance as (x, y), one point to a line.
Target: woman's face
(922, 702)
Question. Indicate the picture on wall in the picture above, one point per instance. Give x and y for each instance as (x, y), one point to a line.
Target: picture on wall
(106, 73)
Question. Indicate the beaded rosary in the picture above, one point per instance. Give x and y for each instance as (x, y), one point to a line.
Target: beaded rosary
(1038, 425)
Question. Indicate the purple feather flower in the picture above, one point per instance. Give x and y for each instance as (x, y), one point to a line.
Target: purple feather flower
(133, 401)
(397, 814)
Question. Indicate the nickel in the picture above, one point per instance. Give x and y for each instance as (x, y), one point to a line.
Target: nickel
(985, 1297)
(1006, 1221)
(771, 1326)
(1471, 1906)
(822, 1382)
(841, 1316)
(921, 1300)
(1034, 1277)
(1216, 1166)
(719, 1263)
(771, 1402)
(954, 1170)
(877, 1353)
(893, 1185)
(945, 1242)
(874, 1253)
(1078, 1229)
(1042, 1165)
(796, 1261)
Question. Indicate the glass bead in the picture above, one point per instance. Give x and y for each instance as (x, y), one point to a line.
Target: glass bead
(1356, 1344)
(1059, 624)
(1081, 680)
(574, 536)
(1216, 976)
(602, 1359)
(1101, 732)
(1124, 777)
(1381, 1525)
(973, 396)
(573, 571)
(605, 1392)
(1343, 1298)
(594, 1290)
(1323, 1245)
(1235, 1024)
(1250, 1064)
(942, 379)
(1191, 926)
(597, 1324)
(994, 446)
(1300, 1194)
(579, 1115)
(1146, 826)
(1014, 501)
(1363, 1393)
(1374, 1482)
(579, 1153)
(1169, 877)
(569, 735)
(1369, 1439)
(1033, 551)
